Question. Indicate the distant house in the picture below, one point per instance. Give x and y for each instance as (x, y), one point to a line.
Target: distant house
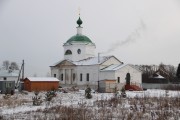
(40, 84)
(157, 78)
(7, 87)
(7, 81)
(156, 81)
(9, 75)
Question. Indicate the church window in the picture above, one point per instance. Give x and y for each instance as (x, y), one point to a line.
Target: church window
(87, 76)
(61, 77)
(68, 52)
(79, 51)
(118, 80)
(74, 76)
(54, 75)
(81, 77)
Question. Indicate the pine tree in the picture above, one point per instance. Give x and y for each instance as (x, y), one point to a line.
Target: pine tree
(178, 71)
(88, 93)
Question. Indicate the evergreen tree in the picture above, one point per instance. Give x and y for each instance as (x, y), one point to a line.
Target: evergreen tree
(88, 93)
(178, 71)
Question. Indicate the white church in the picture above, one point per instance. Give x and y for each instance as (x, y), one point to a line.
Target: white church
(81, 67)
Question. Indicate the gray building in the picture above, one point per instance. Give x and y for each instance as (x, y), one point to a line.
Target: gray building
(7, 87)
(8, 78)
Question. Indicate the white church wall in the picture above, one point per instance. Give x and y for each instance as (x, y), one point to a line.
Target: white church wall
(136, 76)
(86, 51)
(90, 51)
(111, 61)
(54, 72)
(84, 70)
(110, 75)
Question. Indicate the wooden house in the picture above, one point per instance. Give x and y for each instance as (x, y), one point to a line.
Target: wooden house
(40, 84)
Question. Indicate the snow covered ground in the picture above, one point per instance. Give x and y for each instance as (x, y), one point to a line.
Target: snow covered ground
(20, 105)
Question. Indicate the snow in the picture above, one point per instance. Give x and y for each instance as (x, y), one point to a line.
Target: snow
(114, 67)
(70, 99)
(42, 79)
(92, 60)
(117, 67)
(7, 73)
(88, 61)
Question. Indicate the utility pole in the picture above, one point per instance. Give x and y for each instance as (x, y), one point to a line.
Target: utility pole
(19, 76)
(23, 70)
(98, 69)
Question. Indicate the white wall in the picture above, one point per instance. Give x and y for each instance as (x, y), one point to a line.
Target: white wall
(87, 50)
(10, 78)
(54, 71)
(136, 76)
(111, 61)
(93, 75)
(110, 75)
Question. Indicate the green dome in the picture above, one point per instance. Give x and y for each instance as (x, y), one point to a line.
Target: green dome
(79, 38)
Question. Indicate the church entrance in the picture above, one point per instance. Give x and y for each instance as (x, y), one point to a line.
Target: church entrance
(128, 77)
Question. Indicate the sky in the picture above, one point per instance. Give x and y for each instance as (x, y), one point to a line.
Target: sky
(134, 31)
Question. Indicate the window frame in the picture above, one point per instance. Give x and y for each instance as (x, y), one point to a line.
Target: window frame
(81, 77)
(87, 77)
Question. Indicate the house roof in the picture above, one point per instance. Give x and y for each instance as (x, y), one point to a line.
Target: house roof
(93, 60)
(42, 79)
(157, 76)
(8, 73)
(89, 61)
(115, 67)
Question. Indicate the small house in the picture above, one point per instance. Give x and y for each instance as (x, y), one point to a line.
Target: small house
(157, 78)
(40, 84)
(7, 81)
(7, 87)
(9, 75)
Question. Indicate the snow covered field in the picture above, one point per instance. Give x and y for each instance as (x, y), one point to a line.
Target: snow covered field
(150, 104)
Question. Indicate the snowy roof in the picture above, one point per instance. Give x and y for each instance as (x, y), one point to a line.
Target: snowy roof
(92, 60)
(158, 76)
(42, 79)
(8, 73)
(115, 67)
(89, 61)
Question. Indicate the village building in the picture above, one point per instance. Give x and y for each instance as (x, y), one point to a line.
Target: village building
(8, 78)
(81, 67)
(40, 84)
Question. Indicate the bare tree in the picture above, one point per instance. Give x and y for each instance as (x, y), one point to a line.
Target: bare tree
(6, 64)
(14, 66)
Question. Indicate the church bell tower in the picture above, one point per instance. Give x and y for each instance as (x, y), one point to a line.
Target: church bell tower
(79, 46)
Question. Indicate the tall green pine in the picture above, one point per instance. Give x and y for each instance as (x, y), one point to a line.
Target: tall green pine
(178, 71)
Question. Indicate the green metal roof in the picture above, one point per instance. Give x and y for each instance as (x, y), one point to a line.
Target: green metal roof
(79, 38)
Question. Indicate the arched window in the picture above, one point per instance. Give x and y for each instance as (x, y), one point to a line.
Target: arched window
(128, 78)
(118, 80)
(68, 52)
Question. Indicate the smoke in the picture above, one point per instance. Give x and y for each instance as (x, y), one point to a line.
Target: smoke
(130, 38)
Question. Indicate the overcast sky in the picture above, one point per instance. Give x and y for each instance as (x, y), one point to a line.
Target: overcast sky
(135, 31)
